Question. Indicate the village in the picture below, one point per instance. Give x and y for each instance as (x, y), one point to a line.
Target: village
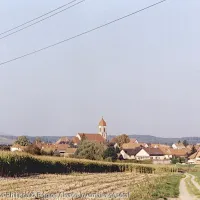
(121, 148)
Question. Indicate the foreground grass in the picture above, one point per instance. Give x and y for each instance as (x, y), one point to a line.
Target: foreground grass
(197, 176)
(191, 187)
(160, 187)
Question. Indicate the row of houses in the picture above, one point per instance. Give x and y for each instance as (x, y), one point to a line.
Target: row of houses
(159, 153)
(61, 148)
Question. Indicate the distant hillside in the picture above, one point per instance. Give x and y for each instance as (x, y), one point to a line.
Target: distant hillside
(8, 139)
(153, 139)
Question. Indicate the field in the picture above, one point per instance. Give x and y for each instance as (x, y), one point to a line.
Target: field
(42, 177)
(73, 183)
(18, 164)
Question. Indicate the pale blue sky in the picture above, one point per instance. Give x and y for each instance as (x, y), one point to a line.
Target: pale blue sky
(142, 74)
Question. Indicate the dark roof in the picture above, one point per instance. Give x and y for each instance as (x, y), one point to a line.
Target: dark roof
(63, 140)
(154, 151)
(132, 152)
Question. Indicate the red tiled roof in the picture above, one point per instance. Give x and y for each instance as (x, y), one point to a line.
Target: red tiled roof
(133, 140)
(102, 122)
(93, 137)
(179, 152)
(113, 140)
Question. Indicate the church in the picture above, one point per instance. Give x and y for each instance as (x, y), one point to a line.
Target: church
(100, 137)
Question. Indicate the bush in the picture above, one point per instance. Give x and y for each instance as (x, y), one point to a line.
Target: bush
(110, 153)
(33, 149)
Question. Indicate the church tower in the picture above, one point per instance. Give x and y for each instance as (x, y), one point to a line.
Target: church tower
(103, 128)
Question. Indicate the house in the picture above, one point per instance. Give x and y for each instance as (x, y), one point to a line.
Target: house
(181, 153)
(63, 140)
(178, 145)
(17, 147)
(61, 149)
(133, 140)
(155, 153)
(100, 137)
(143, 144)
(69, 152)
(130, 145)
(194, 158)
(166, 151)
(142, 153)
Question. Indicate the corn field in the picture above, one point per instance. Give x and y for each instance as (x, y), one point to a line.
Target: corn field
(17, 164)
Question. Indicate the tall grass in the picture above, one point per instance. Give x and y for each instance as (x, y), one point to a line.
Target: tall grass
(17, 164)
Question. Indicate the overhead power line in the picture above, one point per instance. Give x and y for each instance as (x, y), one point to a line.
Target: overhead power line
(21, 29)
(83, 33)
(27, 22)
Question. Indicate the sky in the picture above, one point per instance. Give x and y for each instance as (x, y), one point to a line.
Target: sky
(142, 73)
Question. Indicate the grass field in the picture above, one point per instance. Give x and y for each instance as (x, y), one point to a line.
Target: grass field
(197, 176)
(153, 188)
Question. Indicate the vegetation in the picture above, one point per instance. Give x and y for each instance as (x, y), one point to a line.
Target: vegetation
(22, 141)
(185, 143)
(160, 187)
(121, 139)
(16, 164)
(191, 187)
(176, 160)
(4, 147)
(33, 149)
(37, 140)
(110, 154)
(197, 176)
(193, 150)
(90, 150)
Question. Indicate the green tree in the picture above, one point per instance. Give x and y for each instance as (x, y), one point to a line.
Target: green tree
(38, 140)
(22, 141)
(117, 149)
(71, 144)
(121, 139)
(193, 150)
(90, 150)
(185, 143)
(110, 152)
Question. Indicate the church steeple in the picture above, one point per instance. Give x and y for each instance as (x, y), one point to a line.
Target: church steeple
(103, 128)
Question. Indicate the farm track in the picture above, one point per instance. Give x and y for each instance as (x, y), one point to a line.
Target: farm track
(75, 183)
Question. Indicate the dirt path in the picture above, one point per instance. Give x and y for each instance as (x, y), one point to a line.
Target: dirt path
(184, 194)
